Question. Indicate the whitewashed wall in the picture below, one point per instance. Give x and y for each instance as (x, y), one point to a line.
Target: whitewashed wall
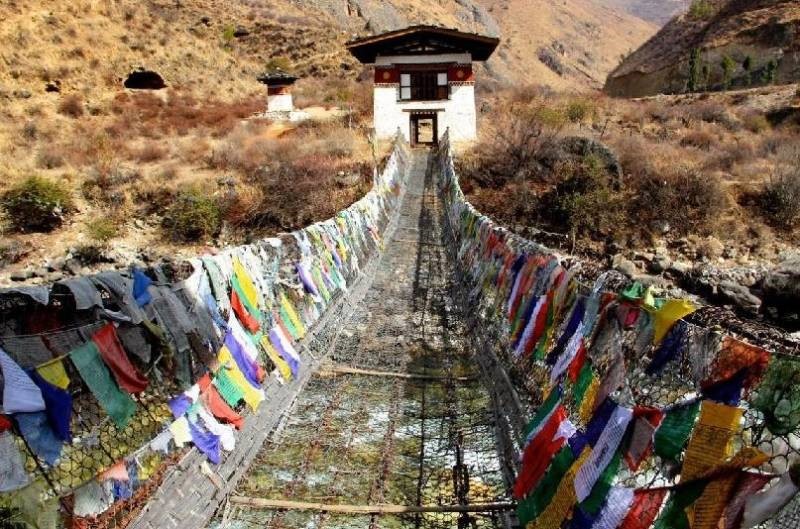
(280, 103)
(457, 113)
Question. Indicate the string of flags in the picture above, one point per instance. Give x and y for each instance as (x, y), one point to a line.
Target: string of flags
(237, 319)
(645, 419)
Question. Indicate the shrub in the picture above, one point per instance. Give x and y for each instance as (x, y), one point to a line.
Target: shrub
(36, 204)
(71, 105)
(756, 123)
(50, 157)
(194, 215)
(701, 9)
(685, 198)
(780, 198)
(700, 139)
(585, 200)
(102, 229)
(579, 110)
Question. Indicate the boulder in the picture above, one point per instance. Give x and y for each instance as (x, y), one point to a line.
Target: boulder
(781, 288)
(739, 295)
(659, 264)
(623, 265)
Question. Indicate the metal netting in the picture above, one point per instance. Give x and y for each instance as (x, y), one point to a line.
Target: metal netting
(620, 347)
(399, 415)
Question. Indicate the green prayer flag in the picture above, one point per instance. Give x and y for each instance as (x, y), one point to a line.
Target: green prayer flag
(675, 430)
(582, 384)
(543, 411)
(531, 507)
(674, 514)
(244, 299)
(119, 406)
(287, 321)
(230, 392)
(634, 292)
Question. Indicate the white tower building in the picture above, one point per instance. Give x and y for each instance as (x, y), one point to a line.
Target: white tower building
(424, 81)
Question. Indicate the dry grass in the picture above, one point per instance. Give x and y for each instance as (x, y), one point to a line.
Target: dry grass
(691, 167)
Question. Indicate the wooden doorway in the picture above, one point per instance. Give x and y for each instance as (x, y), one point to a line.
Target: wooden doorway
(424, 129)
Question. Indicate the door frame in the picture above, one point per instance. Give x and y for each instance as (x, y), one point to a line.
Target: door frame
(414, 117)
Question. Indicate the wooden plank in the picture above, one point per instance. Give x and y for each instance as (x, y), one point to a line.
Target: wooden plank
(382, 508)
(346, 370)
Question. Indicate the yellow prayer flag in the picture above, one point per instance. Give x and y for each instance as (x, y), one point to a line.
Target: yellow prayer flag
(289, 308)
(670, 312)
(54, 373)
(252, 396)
(280, 363)
(711, 439)
(563, 500)
(248, 287)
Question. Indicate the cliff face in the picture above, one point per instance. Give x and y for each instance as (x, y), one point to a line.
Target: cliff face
(718, 44)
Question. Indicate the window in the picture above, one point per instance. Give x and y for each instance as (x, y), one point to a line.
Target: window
(423, 86)
(405, 86)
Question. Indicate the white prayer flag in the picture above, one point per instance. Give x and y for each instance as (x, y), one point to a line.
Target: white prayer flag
(20, 393)
(603, 451)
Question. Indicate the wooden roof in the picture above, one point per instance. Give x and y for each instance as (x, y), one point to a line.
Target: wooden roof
(422, 40)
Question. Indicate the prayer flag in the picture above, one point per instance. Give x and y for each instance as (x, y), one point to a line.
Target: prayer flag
(126, 375)
(20, 393)
(119, 406)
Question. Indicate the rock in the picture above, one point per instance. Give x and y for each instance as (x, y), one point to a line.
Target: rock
(73, 266)
(739, 295)
(711, 248)
(680, 268)
(781, 288)
(623, 265)
(53, 86)
(206, 21)
(240, 32)
(21, 275)
(660, 264)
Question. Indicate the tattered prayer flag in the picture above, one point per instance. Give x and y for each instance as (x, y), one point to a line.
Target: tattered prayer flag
(220, 409)
(711, 440)
(646, 421)
(205, 441)
(228, 389)
(675, 429)
(284, 347)
(180, 431)
(670, 312)
(644, 509)
(542, 413)
(734, 357)
(39, 436)
(20, 394)
(114, 356)
(764, 505)
(119, 406)
(747, 484)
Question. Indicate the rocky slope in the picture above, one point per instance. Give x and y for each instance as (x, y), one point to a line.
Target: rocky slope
(718, 44)
(656, 11)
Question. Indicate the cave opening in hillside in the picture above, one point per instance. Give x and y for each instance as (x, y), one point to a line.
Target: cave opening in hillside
(144, 80)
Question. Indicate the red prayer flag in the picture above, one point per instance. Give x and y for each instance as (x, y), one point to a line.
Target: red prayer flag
(114, 356)
(644, 509)
(538, 454)
(247, 319)
(214, 403)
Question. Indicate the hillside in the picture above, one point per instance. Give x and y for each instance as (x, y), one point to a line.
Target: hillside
(717, 44)
(656, 11)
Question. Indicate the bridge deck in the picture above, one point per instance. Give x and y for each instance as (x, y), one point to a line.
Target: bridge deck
(360, 437)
